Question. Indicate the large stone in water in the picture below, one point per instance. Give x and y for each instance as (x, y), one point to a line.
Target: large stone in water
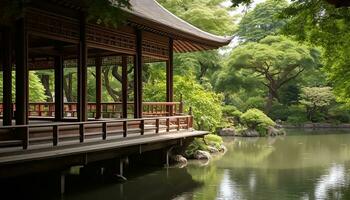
(227, 132)
(202, 155)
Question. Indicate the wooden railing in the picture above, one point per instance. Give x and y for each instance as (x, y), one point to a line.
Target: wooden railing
(108, 110)
(56, 133)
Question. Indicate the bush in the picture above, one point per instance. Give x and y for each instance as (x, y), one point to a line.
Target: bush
(279, 111)
(257, 120)
(203, 143)
(339, 113)
(297, 114)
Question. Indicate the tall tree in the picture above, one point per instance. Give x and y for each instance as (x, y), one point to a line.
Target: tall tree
(275, 60)
(322, 24)
(263, 20)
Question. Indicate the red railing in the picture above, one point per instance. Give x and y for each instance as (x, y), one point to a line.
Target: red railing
(55, 133)
(108, 110)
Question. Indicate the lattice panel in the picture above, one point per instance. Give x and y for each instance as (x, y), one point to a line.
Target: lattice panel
(113, 40)
(155, 46)
(52, 26)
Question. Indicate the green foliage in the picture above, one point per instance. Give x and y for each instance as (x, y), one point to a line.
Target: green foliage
(322, 24)
(262, 21)
(203, 143)
(36, 89)
(297, 114)
(205, 104)
(208, 15)
(274, 60)
(316, 100)
(256, 119)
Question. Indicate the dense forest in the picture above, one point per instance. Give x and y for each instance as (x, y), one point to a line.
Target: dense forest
(288, 59)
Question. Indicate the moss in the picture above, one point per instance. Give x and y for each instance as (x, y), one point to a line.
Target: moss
(203, 144)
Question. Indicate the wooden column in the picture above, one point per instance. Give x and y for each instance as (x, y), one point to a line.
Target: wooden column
(98, 65)
(169, 77)
(125, 86)
(22, 73)
(82, 72)
(138, 76)
(7, 78)
(59, 102)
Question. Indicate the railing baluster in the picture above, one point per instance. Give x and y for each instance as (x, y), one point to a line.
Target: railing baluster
(142, 127)
(104, 130)
(167, 125)
(55, 135)
(157, 125)
(81, 133)
(125, 129)
(25, 132)
(178, 124)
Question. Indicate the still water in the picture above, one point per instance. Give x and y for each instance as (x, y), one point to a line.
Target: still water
(303, 165)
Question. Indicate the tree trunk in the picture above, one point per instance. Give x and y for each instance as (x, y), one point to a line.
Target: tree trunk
(67, 86)
(109, 89)
(272, 95)
(45, 80)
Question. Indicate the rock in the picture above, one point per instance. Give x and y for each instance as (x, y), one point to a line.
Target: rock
(202, 155)
(227, 132)
(223, 149)
(272, 131)
(179, 159)
(212, 149)
(250, 133)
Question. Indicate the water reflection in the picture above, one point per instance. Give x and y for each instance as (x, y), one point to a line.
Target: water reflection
(299, 166)
(331, 182)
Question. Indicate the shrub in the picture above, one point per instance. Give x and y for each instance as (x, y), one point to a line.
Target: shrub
(297, 114)
(339, 113)
(202, 144)
(279, 111)
(256, 119)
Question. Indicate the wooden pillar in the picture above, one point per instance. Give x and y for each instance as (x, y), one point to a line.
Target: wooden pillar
(82, 72)
(169, 78)
(98, 65)
(59, 102)
(138, 76)
(22, 73)
(125, 86)
(7, 77)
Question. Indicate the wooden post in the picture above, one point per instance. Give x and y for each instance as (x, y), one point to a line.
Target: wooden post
(124, 87)
(7, 78)
(82, 72)
(138, 76)
(98, 65)
(59, 88)
(22, 73)
(169, 78)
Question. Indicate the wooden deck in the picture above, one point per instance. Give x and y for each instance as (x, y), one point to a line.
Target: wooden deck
(43, 146)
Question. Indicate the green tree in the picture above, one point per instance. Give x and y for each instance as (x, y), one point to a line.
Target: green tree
(322, 24)
(262, 21)
(275, 60)
(316, 100)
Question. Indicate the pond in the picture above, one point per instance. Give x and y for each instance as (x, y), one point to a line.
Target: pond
(302, 165)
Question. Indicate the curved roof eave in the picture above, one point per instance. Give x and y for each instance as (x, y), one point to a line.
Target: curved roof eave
(158, 18)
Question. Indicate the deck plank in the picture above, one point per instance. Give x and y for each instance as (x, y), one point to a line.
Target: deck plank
(88, 147)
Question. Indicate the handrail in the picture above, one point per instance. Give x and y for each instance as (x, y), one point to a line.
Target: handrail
(171, 123)
(108, 109)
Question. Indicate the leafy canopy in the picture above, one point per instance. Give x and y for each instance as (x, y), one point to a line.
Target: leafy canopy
(262, 21)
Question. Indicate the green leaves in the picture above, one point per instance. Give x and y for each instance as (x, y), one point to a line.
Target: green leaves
(262, 21)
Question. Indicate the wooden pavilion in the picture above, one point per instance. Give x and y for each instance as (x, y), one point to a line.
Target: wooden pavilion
(51, 33)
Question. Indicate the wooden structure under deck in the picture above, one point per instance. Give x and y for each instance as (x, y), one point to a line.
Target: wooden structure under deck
(51, 34)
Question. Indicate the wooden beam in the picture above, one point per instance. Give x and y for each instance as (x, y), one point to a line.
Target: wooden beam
(82, 72)
(125, 86)
(22, 72)
(169, 77)
(7, 77)
(59, 104)
(98, 65)
(138, 76)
